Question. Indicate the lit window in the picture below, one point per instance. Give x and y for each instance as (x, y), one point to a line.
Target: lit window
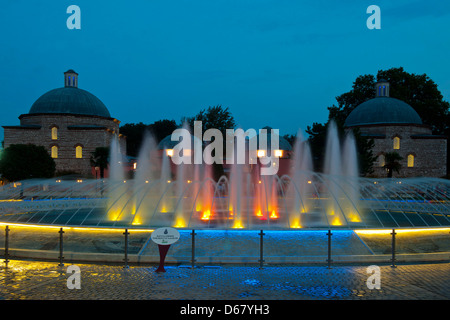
(410, 161)
(396, 143)
(79, 152)
(54, 152)
(54, 133)
(381, 160)
(278, 153)
(169, 152)
(261, 153)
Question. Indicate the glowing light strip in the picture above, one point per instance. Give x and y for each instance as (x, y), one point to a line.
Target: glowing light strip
(388, 231)
(24, 225)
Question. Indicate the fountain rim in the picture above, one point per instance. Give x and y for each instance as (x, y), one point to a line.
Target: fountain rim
(151, 229)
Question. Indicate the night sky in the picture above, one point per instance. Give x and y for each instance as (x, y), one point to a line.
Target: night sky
(278, 63)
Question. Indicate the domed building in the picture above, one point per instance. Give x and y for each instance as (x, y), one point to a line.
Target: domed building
(396, 127)
(70, 123)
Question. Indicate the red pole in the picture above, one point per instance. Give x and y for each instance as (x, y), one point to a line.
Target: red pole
(163, 248)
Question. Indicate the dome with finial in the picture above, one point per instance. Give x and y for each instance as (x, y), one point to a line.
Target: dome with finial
(69, 100)
(382, 110)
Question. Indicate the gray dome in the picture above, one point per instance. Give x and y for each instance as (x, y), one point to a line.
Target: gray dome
(283, 144)
(167, 142)
(70, 100)
(382, 110)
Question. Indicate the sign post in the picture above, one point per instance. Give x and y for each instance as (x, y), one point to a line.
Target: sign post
(164, 237)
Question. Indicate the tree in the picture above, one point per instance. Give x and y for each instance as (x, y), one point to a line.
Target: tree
(317, 142)
(100, 158)
(26, 161)
(366, 158)
(215, 117)
(135, 133)
(392, 163)
(162, 128)
(419, 91)
(291, 138)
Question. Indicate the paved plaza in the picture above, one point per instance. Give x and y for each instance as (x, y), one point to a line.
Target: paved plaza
(47, 281)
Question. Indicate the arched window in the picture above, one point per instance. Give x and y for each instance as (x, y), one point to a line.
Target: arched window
(79, 152)
(54, 152)
(396, 143)
(54, 133)
(410, 161)
(381, 160)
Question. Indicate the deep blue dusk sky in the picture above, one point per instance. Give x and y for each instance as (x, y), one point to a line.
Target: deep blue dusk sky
(272, 62)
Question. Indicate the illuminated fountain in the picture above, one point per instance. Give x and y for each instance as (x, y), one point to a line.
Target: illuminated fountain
(186, 196)
(223, 212)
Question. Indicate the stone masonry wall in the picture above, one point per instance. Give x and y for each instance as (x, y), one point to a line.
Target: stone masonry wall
(68, 139)
(430, 152)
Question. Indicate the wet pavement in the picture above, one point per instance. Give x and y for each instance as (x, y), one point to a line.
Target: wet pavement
(48, 281)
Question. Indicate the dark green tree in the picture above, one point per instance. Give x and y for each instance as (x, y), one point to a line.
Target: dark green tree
(216, 117)
(392, 163)
(419, 91)
(135, 133)
(162, 128)
(26, 161)
(317, 141)
(100, 158)
(291, 138)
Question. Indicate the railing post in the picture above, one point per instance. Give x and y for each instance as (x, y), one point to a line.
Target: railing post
(61, 250)
(126, 233)
(393, 249)
(6, 246)
(329, 234)
(261, 254)
(193, 249)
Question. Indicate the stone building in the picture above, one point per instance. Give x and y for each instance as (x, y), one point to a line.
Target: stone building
(396, 127)
(70, 123)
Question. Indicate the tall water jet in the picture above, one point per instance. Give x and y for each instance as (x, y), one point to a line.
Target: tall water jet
(182, 174)
(144, 202)
(301, 181)
(333, 168)
(206, 194)
(350, 169)
(116, 168)
(117, 197)
(164, 185)
(235, 193)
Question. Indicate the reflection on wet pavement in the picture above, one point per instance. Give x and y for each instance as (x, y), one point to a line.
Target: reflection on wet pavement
(46, 280)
